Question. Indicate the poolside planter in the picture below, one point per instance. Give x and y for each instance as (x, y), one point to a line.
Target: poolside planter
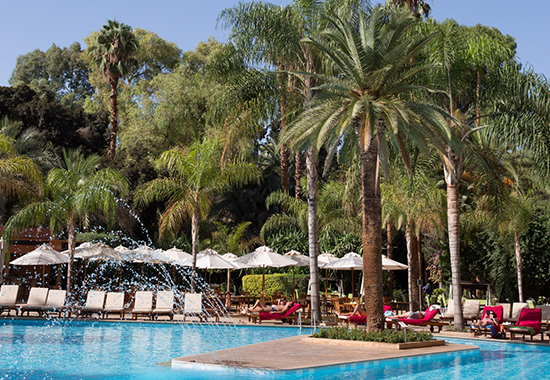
(364, 344)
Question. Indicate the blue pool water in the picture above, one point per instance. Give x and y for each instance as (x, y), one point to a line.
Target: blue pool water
(103, 350)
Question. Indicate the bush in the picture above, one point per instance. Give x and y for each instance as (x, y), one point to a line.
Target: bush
(384, 336)
(274, 283)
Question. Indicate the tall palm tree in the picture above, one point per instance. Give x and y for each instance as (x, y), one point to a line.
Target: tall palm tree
(74, 194)
(113, 53)
(366, 100)
(194, 176)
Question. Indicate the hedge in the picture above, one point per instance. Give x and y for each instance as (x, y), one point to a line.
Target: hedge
(274, 283)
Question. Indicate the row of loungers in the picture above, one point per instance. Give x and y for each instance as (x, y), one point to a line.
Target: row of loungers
(471, 310)
(49, 302)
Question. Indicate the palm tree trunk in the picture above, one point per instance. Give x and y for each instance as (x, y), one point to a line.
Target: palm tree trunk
(283, 152)
(312, 193)
(114, 122)
(371, 231)
(298, 175)
(413, 268)
(478, 95)
(195, 225)
(420, 256)
(453, 221)
(389, 253)
(71, 231)
(517, 246)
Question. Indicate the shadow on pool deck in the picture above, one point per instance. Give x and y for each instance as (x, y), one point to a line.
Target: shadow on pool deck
(282, 354)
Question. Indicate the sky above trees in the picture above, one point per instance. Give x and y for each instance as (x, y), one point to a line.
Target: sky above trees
(36, 24)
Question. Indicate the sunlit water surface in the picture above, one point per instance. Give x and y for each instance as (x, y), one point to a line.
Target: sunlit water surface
(103, 350)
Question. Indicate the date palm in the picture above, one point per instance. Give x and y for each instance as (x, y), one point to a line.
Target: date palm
(195, 176)
(365, 101)
(113, 53)
(73, 194)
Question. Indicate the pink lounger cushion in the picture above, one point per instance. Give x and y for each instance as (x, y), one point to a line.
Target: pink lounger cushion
(428, 316)
(359, 319)
(530, 318)
(266, 316)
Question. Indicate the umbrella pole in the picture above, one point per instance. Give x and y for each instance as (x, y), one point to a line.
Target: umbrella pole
(228, 290)
(326, 283)
(43, 274)
(293, 286)
(142, 273)
(263, 284)
(119, 275)
(85, 267)
(352, 284)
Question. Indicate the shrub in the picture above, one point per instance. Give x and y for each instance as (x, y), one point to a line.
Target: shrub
(385, 336)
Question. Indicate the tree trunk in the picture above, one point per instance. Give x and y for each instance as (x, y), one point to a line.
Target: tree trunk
(195, 225)
(114, 122)
(412, 259)
(420, 256)
(298, 175)
(371, 231)
(517, 246)
(453, 221)
(283, 152)
(71, 232)
(389, 253)
(478, 96)
(312, 193)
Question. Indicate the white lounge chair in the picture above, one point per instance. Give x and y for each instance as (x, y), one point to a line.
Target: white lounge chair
(471, 309)
(114, 304)
(143, 304)
(94, 303)
(193, 306)
(506, 307)
(35, 302)
(55, 302)
(516, 310)
(164, 305)
(8, 298)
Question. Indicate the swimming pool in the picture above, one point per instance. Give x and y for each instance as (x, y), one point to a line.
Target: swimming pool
(104, 350)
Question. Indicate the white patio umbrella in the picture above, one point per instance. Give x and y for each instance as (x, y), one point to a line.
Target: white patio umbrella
(209, 259)
(265, 257)
(389, 264)
(302, 261)
(43, 255)
(94, 251)
(175, 254)
(351, 261)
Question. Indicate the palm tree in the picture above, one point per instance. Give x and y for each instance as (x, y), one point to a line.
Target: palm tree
(195, 175)
(366, 100)
(73, 195)
(113, 54)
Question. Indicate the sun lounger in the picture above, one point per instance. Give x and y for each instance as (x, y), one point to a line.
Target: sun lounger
(193, 306)
(506, 308)
(164, 305)
(528, 323)
(499, 311)
(288, 316)
(35, 302)
(114, 304)
(359, 319)
(427, 320)
(8, 298)
(55, 302)
(94, 303)
(143, 304)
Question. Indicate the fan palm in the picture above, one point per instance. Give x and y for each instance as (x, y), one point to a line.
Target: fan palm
(194, 177)
(73, 194)
(366, 100)
(114, 53)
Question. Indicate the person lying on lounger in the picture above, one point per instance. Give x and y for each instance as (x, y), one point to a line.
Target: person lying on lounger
(259, 307)
(414, 315)
(357, 311)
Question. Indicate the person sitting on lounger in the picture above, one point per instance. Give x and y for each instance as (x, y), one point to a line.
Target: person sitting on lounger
(358, 310)
(259, 307)
(414, 315)
(490, 321)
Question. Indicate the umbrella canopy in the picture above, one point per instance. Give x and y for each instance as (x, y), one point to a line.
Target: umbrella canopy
(302, 260)
(94, 251)
(352, 262)
(389, 264)
(145, 254)
(210, 259)
(265, 257)
(326, 258)
(176, 254)
(43, 255)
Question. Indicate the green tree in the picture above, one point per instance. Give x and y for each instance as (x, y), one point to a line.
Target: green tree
(114, 54)
(195, 175)
(364, 101)
(74, 195)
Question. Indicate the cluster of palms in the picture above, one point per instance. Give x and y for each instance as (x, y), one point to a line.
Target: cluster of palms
(397, 102)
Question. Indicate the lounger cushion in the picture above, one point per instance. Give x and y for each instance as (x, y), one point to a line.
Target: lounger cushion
(267, 316)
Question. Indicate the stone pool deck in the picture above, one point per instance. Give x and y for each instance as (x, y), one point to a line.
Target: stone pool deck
(296, 353)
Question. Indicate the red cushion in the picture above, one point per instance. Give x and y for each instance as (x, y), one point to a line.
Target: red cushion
(530, 318)
(498, 310)
(428, 316)
(265, 316)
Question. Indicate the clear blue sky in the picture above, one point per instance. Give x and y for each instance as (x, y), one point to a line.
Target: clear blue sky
(37, 24)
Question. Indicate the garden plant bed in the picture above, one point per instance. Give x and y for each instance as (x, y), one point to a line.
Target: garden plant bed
(366, 344)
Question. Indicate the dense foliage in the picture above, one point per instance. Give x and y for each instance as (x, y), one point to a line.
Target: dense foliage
(384, 336)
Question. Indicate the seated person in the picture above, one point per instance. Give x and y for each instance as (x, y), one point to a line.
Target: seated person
(490, 321)
(259, 307)
(414, 315)
(358, 310)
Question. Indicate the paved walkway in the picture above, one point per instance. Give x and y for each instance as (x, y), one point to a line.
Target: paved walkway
(296, 353)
